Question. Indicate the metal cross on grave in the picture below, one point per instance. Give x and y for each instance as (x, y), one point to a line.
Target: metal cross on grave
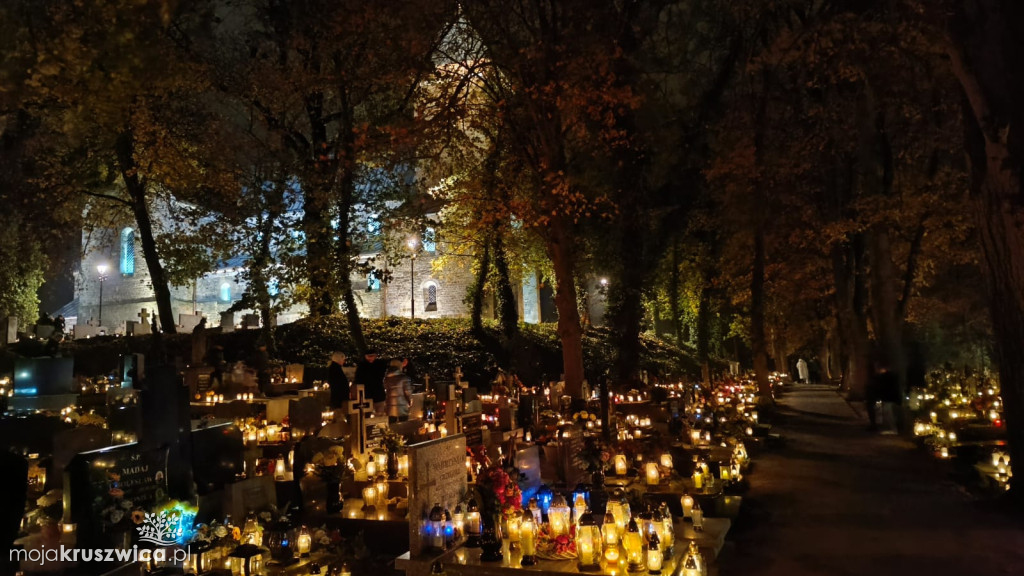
(144, 316)
(361, 407)
(453, 410)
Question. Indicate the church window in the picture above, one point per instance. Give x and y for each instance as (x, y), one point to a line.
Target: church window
(127, 261)
(430, 240)
(430, 296)
(225, 292)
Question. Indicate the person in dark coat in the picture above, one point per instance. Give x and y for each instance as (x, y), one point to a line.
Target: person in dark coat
(337, 380)
(884, 386)
(215, 359)
(261, 364)
(370, 372)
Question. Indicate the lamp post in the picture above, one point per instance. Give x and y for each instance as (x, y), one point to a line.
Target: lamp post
(102, 270)
(412, 243)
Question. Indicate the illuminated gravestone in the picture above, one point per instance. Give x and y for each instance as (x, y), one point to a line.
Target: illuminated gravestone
(10, 329)
(437, 475)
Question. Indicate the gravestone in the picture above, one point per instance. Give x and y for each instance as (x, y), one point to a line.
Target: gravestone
(134, 328)
(293, 371)
(254, 494)
(250, 321)
(82, 331)
(145, 317)
(227, 322)
(188, 322)
(374, 428)
(472, 428)
(217, 456)
(277, 409)
(361, 409)
(44, 331)
(416, 406)
(10, 330)
(437, 475)
(305, 413)
(99, 482)
(197, 378)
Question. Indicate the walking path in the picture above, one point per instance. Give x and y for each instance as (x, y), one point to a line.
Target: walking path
(835, 500)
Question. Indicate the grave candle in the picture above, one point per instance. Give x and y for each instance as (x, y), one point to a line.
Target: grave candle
(304, 542)
(668, 529)
(579, 506)
(698, 479)
(687, 502)
(698, 517)
(621, 465)
(693, 562)
(654, 555)
(371, 468)
(514, 531)
(279, 469)
(610, 530)
(588, 543)
(633, 543)
(558, 516)
(345, 570)
(382, 492)
(261, 435)
(381, 458)
(527, 539)
(666, 461)
(435, 528)
(369, 496)
(403, 465)
(459, 522)
(611, 554)
(253, 438)
(474, 525)
(652, 473)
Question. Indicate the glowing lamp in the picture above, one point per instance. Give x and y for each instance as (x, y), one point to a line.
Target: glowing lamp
(534, 509)
(435, 528)
(279, 469)
(610, 530)
(655, 557)
(474, 525)
(381, 459)
(687, 503)
(371, 468)
(620, 510)
(698, 479)
(621, 465)
(693, 562)
(633, 543)
(698, 517)
(247, 560)
(588, 543)
(528, 539)
(403, 465)
(251, 533)
(304, 542)
(558, 516)
(369, 496)
(652, 474)
(666, 461)
(514, 531)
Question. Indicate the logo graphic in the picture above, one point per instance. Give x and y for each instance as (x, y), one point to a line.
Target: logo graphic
(161, 528)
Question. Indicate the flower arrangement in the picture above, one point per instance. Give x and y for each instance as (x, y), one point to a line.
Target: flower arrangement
(583, 416)
(595, 454)
(554, 547)
(500, 492)
(392, 441)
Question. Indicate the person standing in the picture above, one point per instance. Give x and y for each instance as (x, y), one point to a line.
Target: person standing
(370, 372)
(887, 389)
(337, 380)
(399, 392)
(802, 372)
(261, 364)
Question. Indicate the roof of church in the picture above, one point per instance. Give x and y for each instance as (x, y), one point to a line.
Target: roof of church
(69, 310)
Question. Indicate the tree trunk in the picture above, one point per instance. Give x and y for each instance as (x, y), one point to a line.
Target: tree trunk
(343, 246)
(136, 188)
(508, 308)
(847, 264)
(758, 342)
(673, 294)
(561, 248)
(885, 305)
(316, 219)
(261, 283)
(477, 308)
(704, 329)
(985, 51)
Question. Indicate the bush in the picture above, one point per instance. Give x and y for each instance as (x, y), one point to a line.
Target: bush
(436, 347)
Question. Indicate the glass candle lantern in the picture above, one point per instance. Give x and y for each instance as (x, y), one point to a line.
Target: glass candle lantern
(694, 437)
(655, 557)
(534, 508)
(724, 472)
(579, 507)
(514, 531)
(666, 461)
(621, 465)
(382, 492)
(698, 479)
(459, 522)
(652, 474)
(698, 517)
(247, 560)
(588, 543)
(371, 469)
(528, 539)
(403, 465)
(251, 533)
(693, 562)
(474, 525)
(279, 469)
(633, 543)
(668, 529)
(381, 459)
(545, 497)
(558, 516)
(610, 530)
(622, 514)
(611, 554)
(434, 528)
(304, 542)
(369, 496)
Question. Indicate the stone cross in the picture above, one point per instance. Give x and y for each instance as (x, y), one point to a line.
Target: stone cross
(458, 375)
(144, 316)
(426, 382)
(452, 417)
(361, 407)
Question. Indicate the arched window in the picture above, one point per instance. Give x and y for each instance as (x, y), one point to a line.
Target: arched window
(127, 261)
(430, 297)
(225, 292)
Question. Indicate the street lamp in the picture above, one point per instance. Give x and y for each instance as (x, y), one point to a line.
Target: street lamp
(102, 269)
(412, 243)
